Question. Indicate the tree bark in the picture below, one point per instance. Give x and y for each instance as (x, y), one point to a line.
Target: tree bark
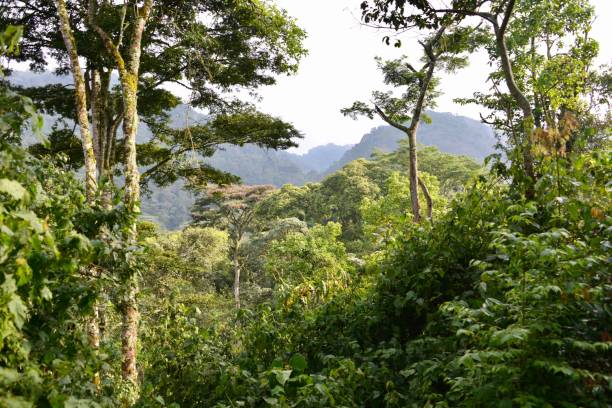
(128, 73)
(416, 119)
(517, 94)
(414, 170)
(236, 267)
(411, 131)
(96, 118)
(427, 199)
(81, 102)
(87, 141)
(412, 157)
(129, 332)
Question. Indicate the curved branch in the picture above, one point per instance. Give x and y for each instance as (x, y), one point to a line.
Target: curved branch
(106, 39)
(390, 121)
(147, 175)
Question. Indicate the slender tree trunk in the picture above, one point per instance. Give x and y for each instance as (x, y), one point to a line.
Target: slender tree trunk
(130, 127)
(412, 159)
(414, 170)
(81, 101)
(99, 94)
(517, 94)
(236, 267)
(129, 334)
(98, 106)
(412, 135)
(128, 68)
(427, 199)
(129, 331)
(416, 120)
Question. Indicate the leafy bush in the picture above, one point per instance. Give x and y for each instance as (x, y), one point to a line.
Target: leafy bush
(45, 358)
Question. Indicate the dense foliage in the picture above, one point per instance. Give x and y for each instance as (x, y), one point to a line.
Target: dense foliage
(331, 294)
(338, 198)
(45, 360)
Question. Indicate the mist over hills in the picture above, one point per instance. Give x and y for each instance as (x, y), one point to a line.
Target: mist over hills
(254, 165)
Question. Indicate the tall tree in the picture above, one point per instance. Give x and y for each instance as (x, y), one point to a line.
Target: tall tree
(548, 24)
(80, 93)
(551, 57)
(211, 48)
(440, 51)
(127, 63)
(231, 208)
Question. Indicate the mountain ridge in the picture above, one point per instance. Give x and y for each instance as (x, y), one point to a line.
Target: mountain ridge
(255, 165)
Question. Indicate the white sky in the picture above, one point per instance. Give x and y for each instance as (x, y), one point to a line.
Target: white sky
(340, 69)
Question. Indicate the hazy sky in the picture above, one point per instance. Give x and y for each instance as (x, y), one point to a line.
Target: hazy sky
(340, 69)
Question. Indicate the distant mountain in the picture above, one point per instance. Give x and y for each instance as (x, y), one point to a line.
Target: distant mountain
(450, 133)
(170, 206)
(318, 158)
(32, 79)
(257, 165)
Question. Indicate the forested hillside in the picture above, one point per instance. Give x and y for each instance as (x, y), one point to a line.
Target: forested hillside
(154, 256)
(170, 205)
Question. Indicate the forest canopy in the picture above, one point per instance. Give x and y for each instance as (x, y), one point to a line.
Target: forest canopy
(405, 277)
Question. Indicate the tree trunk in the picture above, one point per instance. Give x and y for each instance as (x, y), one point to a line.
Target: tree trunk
(81, 102)
(413, 165)
(96, 119)
(517, 95)
(128, 68)
(129, 332)
(236, 267)
(414, 170)
(427, 198)
(412, 135)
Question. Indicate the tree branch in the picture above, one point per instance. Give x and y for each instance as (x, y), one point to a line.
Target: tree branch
(487, 16)
(390, 121)
(507, 14)
(106, 39)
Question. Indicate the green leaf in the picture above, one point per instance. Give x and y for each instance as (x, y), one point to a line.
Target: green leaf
(19, 310)
(30, 217)
(8, 375)
(46, 293)
(271, 401)
(282, 376)
(15, 402)
(298, 362)
(80, 403)
(13, 188)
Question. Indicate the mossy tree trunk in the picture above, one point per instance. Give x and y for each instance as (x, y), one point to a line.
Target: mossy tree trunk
(128, 67)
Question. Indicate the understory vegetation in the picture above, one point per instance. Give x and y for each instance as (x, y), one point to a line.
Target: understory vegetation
(414, 278)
